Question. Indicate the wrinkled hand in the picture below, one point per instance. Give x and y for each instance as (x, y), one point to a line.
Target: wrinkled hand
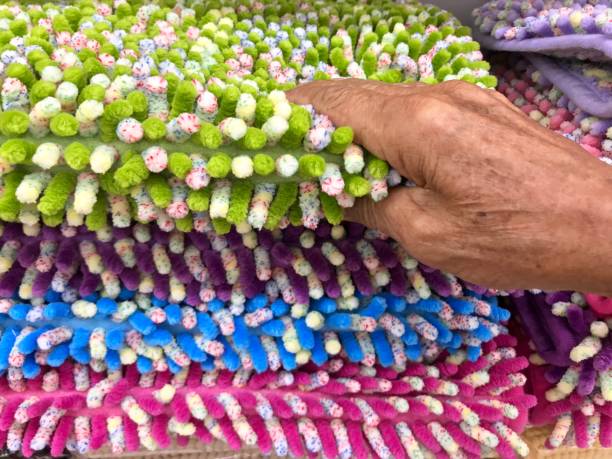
(500, 200)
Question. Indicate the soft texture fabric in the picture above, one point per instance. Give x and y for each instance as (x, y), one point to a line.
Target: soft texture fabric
(586, 84)
(577, 29)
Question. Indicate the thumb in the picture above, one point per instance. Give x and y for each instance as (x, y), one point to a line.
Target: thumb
(408, 215)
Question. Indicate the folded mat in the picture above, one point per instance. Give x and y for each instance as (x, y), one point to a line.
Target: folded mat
(529, 89)
(564, 28)
(586, 84)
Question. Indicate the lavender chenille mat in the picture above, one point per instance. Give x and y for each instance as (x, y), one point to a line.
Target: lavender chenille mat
(581, 29)
(588, 85)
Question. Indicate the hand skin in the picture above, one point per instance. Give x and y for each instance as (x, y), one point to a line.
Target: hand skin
(500, 200)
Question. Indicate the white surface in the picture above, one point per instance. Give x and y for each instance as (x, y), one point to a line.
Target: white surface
(460, 8)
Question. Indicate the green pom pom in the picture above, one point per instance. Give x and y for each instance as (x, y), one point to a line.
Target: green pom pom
(19, 27)
(35, 55)
(311, 166)
(113, 113)
(93, 66)
(77, 156)
(331, 209)
(240, 199)
(221, 226)
(295, 215)
(21, 72)
(139, 103)
(9, 205)
(391, 76)
(430, 80)
(92, 92)
(446, 31)
(132, 172)
(85, 54)
(286, 47)
(108, 184)
(462, 31)
(227, 105)
(126, 156)
(199, 200)
(76, 75)
(116, 111)
(110, 49)
(338, 60)
(159, 191)
(459, 63)
(5, 37)
(340, 140)
(299, 124)
(336, 42)
(185, 224)
(43, 64)
(356, 186)
(430, 41)
(64, 125)
(53, 220)
(444, 71)
(254, 139)
(441, 58)
(184, 98)
(16, 151)
(179, 164)
(490, 81)
(61, 24)
(216, 90)
(369, 63)
(323, 52)
(97, 219)
(377, 168)
(210, 136)
(40, 90)
(13, 123)
(263, 164)
(124, 10)
(312, 57)
(219, 165)
(56, 194)
(285, 196)
(402, 37)
(414, 48)
(154, 129)
(263, 110)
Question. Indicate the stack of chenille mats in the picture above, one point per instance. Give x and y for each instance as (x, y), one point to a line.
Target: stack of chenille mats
(174, 265)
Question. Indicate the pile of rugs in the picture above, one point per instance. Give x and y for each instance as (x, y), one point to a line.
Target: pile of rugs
(174, 262)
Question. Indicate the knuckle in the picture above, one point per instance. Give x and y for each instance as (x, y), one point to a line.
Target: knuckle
(431, 111)
(459, 87)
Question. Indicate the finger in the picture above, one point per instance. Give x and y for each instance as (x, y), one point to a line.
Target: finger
(359, 104)
(407, 215)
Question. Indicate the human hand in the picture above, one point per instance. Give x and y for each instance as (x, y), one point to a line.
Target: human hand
(499, 200)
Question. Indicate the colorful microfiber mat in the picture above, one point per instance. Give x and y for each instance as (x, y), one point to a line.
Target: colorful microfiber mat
(260, 300)
(173, 262)
(571, 372)
(579, 29)
(177, 117)
(534, 94)
(567, 334)
(588, 85)
(339, 410)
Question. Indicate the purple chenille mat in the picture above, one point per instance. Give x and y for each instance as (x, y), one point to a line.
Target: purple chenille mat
(588, 85)
(581, 29)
